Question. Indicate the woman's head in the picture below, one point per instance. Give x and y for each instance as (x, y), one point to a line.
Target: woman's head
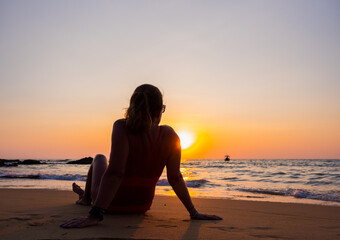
(145, 108)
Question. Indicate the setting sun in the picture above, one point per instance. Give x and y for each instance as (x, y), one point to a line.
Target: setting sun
(187, 139)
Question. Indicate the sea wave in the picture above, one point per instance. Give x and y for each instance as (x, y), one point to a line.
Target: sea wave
(263, 191)
(190, 183)
(230, 178)
(331, 196)
(68, 177)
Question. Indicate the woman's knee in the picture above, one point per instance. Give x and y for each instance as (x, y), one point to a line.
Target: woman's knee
(100, 158)
(99, 162)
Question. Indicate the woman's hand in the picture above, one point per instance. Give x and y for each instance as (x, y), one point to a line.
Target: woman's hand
(80, 222)
(200, 216)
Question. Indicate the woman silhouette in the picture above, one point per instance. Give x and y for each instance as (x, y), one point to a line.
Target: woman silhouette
(140, 149)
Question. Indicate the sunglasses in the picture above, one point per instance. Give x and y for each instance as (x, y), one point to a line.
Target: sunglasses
(163, 108)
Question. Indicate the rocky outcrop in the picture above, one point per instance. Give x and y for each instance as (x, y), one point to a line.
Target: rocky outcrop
(86, 160)
(14, 163)
(30, 162)
(8, 163)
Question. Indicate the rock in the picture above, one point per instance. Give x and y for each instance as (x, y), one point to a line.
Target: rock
(86, 160)
(30, 162)
(8, 163)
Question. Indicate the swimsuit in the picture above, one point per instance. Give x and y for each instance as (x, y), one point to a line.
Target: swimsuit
(143, 169)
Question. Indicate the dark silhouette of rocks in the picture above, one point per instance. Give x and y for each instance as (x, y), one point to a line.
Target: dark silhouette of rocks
(8, 163)
(30, 162)
(14, 163)
(86, 160)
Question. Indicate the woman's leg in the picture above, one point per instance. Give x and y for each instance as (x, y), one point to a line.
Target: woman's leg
(99, 166)
(93, 180)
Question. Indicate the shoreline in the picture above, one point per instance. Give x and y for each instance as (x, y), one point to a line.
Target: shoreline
(37, 214)
(265, 198)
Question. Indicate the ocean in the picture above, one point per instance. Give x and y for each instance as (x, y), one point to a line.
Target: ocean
(307, 181)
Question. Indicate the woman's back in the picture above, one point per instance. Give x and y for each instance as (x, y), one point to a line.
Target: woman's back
(148, 154)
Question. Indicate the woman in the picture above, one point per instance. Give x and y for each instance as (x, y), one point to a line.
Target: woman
(140, 149)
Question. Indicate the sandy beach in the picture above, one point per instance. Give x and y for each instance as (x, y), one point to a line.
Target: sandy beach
(37, 214)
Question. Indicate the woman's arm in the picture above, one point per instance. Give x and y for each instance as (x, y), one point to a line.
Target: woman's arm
(111, 179)
(177, 183)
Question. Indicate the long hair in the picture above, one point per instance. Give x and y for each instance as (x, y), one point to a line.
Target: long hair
(145, 105)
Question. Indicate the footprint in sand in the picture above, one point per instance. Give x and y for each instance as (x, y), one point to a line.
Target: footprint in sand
(39, 220)
(261, 228)
(166, 226)
(35, 224)
(264, 236)
(227, 229)
(33, 214)
(330, 227)
(20, 218)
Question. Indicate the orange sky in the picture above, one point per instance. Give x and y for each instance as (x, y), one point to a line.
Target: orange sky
(249, 79)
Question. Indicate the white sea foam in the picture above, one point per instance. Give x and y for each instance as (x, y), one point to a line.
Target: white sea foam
(285, 179)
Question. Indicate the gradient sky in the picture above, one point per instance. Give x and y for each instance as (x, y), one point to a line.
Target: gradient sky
(254, 79)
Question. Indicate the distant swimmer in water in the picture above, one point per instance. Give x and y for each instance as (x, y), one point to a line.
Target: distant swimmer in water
(140, 149)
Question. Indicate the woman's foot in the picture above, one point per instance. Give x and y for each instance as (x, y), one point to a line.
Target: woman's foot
(77, 189)
(82, 200)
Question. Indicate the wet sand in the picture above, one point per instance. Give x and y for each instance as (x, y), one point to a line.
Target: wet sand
(37, 214)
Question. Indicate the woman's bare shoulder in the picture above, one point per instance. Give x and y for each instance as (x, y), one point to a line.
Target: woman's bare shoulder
(169, 131)
(167, 128)
(120, 123)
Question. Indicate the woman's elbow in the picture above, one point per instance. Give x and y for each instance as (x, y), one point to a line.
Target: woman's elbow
(174, 180)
